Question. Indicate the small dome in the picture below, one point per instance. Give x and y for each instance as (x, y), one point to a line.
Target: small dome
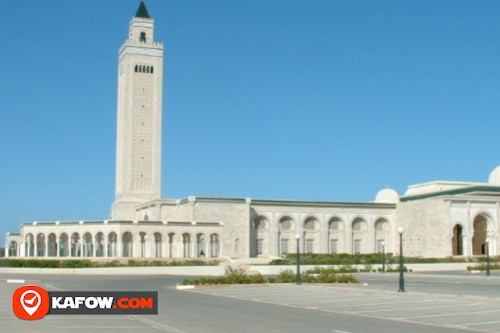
(495, 177)
(387, 195)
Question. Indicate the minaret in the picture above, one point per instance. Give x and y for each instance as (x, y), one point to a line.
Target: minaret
(138, 144)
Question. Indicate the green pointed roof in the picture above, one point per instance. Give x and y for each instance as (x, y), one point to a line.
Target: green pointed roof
(142, 11)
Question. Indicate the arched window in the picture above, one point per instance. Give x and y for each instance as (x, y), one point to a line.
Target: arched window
(358, 234)
(335, 228)
(112, 244)
(99, 244)
(12, 249)
(381, 234)
(142, 37)
(259, 223)
(214, 245)
(457, 245)
(310, 226)
(75, 246)
(200, 245)
(40, 245)
(64, 247)
(127, 245)
(87, 246)
(286, 223)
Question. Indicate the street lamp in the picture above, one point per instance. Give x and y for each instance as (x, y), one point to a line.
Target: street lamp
(383, 256)
(297, 277)
(401, 231)
(487, 256)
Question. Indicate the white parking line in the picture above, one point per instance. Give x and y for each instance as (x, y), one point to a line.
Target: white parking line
(418, 308)
(347, 300)
(448, 314)
(481, 323)
(101, 327)
(395, 303)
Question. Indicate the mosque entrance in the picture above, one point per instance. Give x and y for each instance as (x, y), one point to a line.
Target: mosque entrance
(479, 237)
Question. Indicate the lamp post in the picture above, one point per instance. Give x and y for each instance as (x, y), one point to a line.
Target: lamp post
(487, 256)
(297, 277)
(401, 231)
(383, 256)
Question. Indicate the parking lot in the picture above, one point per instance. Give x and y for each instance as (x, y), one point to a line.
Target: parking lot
(436, 303)
(464, 309)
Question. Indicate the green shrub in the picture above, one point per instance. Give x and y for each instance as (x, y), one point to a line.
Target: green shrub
(280, 262)
(362, 259)
(238, 276)
(75, 264)
(286, 276)
(483, 267)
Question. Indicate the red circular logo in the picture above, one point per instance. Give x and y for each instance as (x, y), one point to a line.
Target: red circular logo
(30, 302)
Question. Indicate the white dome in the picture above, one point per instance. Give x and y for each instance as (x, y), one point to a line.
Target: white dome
(387, 195)
(495, 177)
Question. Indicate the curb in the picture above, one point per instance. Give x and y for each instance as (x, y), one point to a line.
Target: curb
(186, 287)
(19, 281)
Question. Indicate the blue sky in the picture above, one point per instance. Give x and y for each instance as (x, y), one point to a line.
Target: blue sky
(313, 100)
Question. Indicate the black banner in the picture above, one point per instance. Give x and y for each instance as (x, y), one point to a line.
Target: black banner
(103, 302)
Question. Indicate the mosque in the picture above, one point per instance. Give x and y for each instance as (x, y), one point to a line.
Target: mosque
(440, 218)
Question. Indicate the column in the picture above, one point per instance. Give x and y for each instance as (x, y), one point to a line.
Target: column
(136, 245)
(273, 235)
(465, 248)
(347, 235)
(323, 235)
(371, 235)
(119, 248)
(22, 250)
(105, 252)
(164, 245)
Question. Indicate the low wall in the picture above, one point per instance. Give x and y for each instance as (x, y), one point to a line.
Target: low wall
(273, 270)
(159, 270)
(211, 270)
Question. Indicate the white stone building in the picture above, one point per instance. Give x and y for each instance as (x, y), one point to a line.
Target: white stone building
(441, 218)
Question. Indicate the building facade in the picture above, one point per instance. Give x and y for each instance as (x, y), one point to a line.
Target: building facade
(440, 218)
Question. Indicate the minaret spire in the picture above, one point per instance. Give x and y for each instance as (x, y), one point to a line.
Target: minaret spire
(142, 11)
(139, 120)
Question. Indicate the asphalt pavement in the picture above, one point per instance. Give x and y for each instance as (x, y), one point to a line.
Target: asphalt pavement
(438, 303)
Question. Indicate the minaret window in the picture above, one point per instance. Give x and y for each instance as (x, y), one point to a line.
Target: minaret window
(142, 37)
(144, 69)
